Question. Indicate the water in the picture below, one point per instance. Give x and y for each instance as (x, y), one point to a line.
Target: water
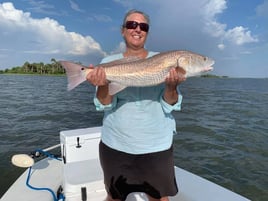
(222, 128)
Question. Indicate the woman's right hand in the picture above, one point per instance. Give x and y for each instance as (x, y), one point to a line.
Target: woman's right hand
(97, 76)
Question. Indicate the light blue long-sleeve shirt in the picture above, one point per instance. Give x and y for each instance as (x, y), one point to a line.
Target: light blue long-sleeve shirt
(138, 120)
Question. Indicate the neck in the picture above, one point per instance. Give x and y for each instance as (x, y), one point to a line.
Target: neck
(142, 53)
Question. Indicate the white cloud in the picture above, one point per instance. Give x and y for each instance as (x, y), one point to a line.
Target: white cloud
(221, 46)
(238, 35)
(42, 36)
(42, 7)
(75, 6)
(214, 7)
(211, 10)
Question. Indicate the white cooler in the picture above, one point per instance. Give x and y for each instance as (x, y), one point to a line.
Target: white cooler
(83, 177)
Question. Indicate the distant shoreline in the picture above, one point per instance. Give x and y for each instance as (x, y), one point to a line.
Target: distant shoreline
(214, 76)
(53, 68)
(60, 74)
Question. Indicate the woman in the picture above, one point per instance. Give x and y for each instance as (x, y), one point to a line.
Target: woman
(136, 151)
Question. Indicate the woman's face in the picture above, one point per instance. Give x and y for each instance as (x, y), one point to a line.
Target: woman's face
(135, 38)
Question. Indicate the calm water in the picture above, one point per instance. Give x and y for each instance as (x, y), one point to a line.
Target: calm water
(222, 128)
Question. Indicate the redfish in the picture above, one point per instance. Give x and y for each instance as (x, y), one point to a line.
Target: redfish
(137, 72)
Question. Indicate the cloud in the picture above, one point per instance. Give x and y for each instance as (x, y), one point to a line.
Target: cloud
(213, 8)
(100, 18)
(238, 35)
(75, 6)
(42, 7)
(41, 36)
(221, 46)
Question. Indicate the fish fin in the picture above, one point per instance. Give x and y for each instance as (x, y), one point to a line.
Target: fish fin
(180, 70)
(115, 88)
(76, 73)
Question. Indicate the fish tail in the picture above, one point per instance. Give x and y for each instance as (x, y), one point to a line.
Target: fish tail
(76, 73)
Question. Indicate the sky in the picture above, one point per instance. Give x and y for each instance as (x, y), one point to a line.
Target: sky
(232, 32)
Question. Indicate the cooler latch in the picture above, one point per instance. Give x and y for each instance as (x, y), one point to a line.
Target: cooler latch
(78, 143)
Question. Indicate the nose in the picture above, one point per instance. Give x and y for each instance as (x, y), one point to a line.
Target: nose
(138, 28)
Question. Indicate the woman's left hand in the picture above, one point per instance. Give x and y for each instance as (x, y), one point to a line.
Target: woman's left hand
(175, 77)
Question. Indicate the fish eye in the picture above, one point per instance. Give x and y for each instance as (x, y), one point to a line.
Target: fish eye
(82, 68)
(205, 58)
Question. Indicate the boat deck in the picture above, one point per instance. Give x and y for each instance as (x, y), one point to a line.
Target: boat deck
(82, 170)
(47, 173)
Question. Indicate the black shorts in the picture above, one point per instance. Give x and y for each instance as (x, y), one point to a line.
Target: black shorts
(125, 173)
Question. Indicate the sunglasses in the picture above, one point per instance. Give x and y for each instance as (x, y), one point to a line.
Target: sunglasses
(133, 25)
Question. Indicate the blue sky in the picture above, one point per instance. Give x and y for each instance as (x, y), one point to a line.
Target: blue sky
(233, 33)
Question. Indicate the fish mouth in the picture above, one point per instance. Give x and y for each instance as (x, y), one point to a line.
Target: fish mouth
(208, 66)
(210, 63)
(207, 69)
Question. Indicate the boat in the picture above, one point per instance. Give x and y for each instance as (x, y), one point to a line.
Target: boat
(77, 175)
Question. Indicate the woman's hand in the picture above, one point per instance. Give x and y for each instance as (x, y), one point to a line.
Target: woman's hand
(176, 76)
(97, 76)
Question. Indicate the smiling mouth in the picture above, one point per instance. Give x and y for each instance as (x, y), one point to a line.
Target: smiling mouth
(136, 36)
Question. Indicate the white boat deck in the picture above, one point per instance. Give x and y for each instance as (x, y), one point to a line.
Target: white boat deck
(44, 174)
(83, 170)
(47, 174)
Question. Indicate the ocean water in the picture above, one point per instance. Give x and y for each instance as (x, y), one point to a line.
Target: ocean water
(222, 130)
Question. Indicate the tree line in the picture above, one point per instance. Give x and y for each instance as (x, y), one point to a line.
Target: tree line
(37, 68)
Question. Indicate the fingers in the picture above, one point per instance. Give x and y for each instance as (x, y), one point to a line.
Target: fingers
(97, 76)
(175, 78)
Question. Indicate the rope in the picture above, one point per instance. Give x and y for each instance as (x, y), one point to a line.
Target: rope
(47, 154)
(61, 197)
